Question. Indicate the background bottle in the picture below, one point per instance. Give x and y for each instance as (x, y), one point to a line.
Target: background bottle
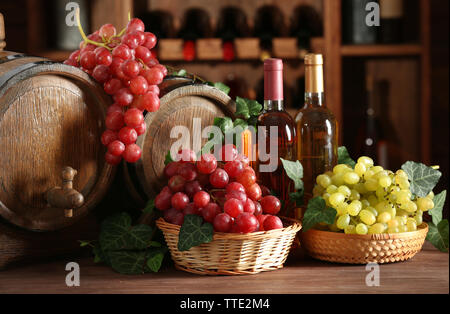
(317, 129)
(269, 23)
(160, 22)
(391, 24)
(274, 114)
(196, 24)
(354, 27)
(305, 23)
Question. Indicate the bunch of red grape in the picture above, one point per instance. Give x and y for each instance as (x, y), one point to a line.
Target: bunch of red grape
(126, 66)
(225, 194)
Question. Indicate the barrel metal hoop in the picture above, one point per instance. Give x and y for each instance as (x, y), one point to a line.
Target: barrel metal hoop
(12, 57)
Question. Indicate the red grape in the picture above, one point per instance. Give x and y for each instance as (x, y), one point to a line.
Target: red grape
(272, 223)
(207, 164)
(239, 195)
(116, 148)
(210, 212)
(235, 186)
(176, 183)
(178, 219)
(191, 188)
(203, 179)
(112, 86)
(131, 68)
(258, 209)
(247, 223)
(254, 192)
(161, 67)
(143, 54)
(190, 209)
(87, 60)
(131, 40)
(219, 178)
(114, 108)
(180, 200)
(233, 168)
(132, 153)
(249, 206)
(171, 169)
(133, 117)
(128, 135)
(187, 171)
(243, 159)
(138, 85)
(150, 40)
(261, 219)
(103, 56)
(247, 177)
(264, 190)
(169, 214)
(122, 51)
(233, 207)
(114, 121)
(135, 24)
(270, 205)
(186, 155)
(107, 31)
(140, 129)
(201, 199)
(112, 160)
(75, 55)
(222, 223)
(148, 101)
(71, 62)
(123, 97)
(108, 137)
(153, 89)
(154, 76)
(163, 200)
(229, 152)
(101, 73)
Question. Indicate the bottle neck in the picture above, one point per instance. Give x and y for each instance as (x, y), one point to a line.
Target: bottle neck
(314, 99)
(274, 105)
(314, 86)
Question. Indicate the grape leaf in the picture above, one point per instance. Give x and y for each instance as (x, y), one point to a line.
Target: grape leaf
(254, 107)
(423, 178)
(297, 197)
(294, 170)
(194, 233)
(436, 212)
(344, 157)
(128, 262)
(242, 108)
(168, 158)
(100, 255)
(225, 124)
(317, 212)
(242, 123)
(155, 259)
(118, 234)
(438, 235)
(149, 208)
(221, 86)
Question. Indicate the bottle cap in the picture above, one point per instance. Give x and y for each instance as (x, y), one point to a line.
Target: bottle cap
(273, 79)
(313, 59)
(272, 64)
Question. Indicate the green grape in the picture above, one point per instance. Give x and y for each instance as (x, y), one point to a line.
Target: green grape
(410, 207)
(424, 204)
(401, 220)
(393, 223)
(326, 197)
(367, 161)
(385, 181)
(377, 228)
(384, 217)
(365, 203)
(380, 174)
(336, 198)
(323, 180)
(392, 198)
(418, 218)
(360, 169)
(368, 174)
(329, 173)
(402, 228)
(403, 196)
(344, 190)
(394, 189)
(431, 195)
(350, 229)
(342, 208)
(380, 193)
(331, 189)
(367, 217)
(403, 183)
(372, 210)
(338, 179)
(371, 185)
(354, 195)
(376, 169)
(360, 188)
(411, 224)
(341, 168)
(393, 230)
(343, 221)
(354, 208)
(389, 208)
(401, 174)
(361, 229)
(351, 177)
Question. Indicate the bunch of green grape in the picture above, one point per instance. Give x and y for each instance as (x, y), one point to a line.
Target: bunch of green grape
(371, 200)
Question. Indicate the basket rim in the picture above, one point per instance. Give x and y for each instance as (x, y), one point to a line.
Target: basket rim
(294, 227)
(422, 230)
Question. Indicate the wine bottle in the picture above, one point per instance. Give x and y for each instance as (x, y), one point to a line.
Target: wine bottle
(279, 134)
(196, 24)
(160, 22)
(316, 127)
(355, 29)
(391, 24)
(269, 23)
(232, 24)
(305, 23)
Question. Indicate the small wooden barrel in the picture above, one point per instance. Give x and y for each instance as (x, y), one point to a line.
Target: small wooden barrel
(51, 116)
(182, 101)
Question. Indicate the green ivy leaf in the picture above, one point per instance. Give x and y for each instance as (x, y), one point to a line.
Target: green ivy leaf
(254, 107)
(297, 197)
(128, 262)
(423, 178)
(100, 256)
(154, 244)
(318, 212)
(344, 157)
(155, 260)
(168, 158)
(224, 123)
(294, 170)
(221, 86)
(436, 212)
(181, 73)
(242, 123)
(193, 233)
(438, 235)
(242, 108)
(118, 234)
(150, 207)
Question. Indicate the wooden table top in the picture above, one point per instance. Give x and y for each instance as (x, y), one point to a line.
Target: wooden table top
(427, 272)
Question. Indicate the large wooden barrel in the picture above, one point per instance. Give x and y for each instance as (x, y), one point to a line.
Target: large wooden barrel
(51, 116)
(181, 101)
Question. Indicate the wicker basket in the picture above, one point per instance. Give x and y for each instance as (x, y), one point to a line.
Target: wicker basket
(363, 249)
(233, 254)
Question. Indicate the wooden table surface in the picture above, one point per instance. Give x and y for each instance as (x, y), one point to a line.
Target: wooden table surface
(427, 272)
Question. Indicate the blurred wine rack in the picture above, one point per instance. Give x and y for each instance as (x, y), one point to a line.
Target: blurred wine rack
(345, 64)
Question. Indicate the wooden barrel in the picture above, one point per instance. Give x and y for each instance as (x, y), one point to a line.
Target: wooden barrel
(182, 101)
(51, 116)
